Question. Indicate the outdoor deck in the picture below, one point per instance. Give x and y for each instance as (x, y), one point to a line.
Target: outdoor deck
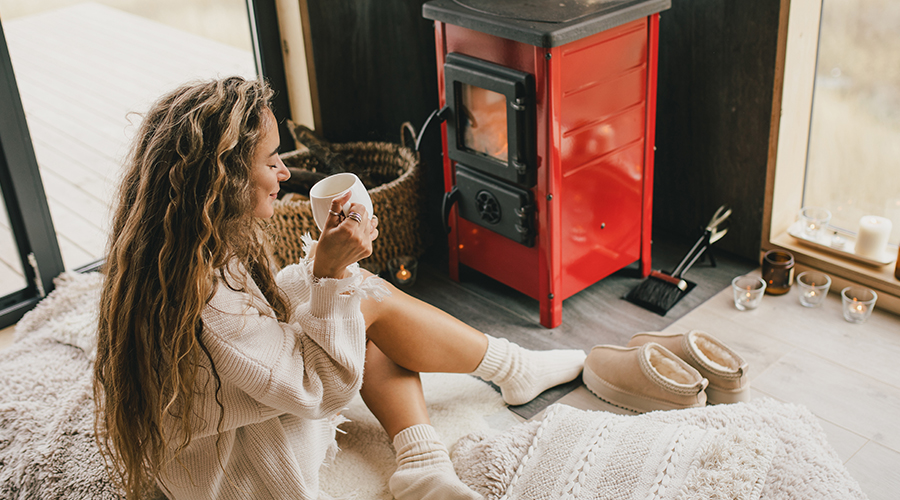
(81, 71)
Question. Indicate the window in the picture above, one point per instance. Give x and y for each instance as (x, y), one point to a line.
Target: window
(86, 70)
(72, 75)
(854, 145)
(802, 127)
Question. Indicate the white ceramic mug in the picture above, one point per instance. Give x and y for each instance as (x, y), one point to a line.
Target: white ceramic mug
(335, 186)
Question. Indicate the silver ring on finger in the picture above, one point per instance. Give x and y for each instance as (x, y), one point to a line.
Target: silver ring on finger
(332, 212)
(355, 216)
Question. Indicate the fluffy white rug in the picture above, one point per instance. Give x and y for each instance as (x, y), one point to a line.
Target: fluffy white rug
(47, 447)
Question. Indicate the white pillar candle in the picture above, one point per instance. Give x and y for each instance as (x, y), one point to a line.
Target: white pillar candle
(872, 239)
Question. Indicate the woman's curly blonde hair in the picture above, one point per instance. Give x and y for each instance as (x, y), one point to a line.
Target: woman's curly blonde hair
(184, 213)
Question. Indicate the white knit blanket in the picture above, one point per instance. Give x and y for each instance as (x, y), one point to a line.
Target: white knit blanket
(762, 449)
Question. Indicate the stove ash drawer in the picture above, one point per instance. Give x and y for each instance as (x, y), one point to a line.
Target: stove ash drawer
(498, 206)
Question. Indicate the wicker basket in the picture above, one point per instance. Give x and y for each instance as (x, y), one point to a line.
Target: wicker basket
(391, 173)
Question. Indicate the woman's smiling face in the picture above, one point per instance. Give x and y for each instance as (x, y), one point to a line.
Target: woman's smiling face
(268, 169)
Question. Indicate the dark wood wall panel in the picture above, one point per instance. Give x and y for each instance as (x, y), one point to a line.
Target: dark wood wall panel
(375, 69)
(375, 66)
(716, 78)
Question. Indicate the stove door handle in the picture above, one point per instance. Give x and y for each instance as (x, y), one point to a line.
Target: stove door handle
(449, 200)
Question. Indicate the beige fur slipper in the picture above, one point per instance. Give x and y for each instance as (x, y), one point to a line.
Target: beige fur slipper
(644, 378)
(724, 368)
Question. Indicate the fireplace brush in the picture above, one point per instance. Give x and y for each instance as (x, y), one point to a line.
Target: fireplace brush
(661, 291)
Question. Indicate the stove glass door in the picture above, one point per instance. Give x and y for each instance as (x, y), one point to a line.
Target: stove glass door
(483, 121)
(492, 122)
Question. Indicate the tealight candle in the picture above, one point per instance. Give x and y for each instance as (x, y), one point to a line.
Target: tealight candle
(402, 270)
(778, 271)
(814, 219)
(403, 274)
(858, 303)
(748, 292)
(813, 288)
(872, 239)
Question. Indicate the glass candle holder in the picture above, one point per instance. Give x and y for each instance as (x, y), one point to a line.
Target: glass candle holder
(402, 271)
(858, 303)
(814, 219)
(778, 271)
(748, 292)
(813, 288)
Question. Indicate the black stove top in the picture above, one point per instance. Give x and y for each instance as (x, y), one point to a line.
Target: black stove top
(542, 23)
(556, 11)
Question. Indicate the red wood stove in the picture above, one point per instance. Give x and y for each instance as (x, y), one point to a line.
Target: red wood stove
(548, 141)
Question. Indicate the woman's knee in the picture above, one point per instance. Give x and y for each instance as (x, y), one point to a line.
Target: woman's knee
(375, 309)
(381, 372)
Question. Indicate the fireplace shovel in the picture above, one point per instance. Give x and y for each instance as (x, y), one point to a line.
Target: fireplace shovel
(661, 291)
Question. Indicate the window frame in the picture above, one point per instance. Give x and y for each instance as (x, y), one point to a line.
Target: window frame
(788, 147)
(26, 202)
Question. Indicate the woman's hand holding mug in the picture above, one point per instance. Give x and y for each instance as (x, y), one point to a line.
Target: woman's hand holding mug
(344, 239)
(336, 186)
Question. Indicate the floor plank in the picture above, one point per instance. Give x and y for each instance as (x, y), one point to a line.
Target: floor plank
(6, 336)
(876, 469)
(837, 394)
(11, 276)
(845, 442)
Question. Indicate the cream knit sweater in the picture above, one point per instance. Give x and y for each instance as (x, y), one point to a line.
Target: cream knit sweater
(283, 386)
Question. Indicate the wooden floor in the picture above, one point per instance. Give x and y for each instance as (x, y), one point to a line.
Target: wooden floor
(844, 373)
(80, 71)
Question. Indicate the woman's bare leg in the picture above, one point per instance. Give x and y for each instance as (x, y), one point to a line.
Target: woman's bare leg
(421, 337)
(393, 393)
(424, 470)
(408, 336)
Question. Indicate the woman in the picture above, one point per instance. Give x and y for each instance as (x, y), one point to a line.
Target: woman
(215, 377)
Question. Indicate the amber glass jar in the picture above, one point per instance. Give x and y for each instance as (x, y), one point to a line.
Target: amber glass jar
(778, 271)
(897, 269)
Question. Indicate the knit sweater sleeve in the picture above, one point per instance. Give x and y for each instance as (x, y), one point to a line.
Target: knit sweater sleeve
(311, 367)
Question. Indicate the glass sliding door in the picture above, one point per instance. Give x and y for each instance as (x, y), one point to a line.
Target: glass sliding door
(75, 78)
(86, 71)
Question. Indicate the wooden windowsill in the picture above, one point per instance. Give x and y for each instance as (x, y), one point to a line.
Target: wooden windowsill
(844, 272)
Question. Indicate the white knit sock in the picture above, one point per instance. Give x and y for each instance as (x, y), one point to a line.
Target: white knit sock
(522, 374)
(424, 470)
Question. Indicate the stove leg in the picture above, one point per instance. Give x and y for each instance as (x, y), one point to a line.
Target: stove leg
(551, 312)
(453, 269)
(645, 263)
